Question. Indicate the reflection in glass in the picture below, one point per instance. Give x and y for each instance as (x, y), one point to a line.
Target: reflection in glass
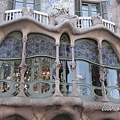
(115, 93)
(19, 5)
(30, 1)
(5, 69)
(40, 68)
(82, 71)
(83, 76)
(16, 73)
(85, 14)
(65, 74)
(85, 7)
(83, 90)
(94, 13)
(4, 87)
(30, 5)
(93, 7)
(41, 87)
(112, 77)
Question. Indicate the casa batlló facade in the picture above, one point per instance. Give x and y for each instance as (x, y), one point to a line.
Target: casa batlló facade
(59, 60)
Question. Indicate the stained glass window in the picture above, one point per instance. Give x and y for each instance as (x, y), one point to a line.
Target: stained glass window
(40, 46)
(65, 49)
(11, 48)
(109, 56)
(86, 50)
(40, 68)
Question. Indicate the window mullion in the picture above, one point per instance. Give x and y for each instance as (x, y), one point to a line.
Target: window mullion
(32, 69)
(50, 69)
(12, 70)
(24, 3)
(89, 10)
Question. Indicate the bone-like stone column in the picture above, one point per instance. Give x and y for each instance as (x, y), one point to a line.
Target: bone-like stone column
(57, 66)
(102, 78)
(23, 68)
(73, 68)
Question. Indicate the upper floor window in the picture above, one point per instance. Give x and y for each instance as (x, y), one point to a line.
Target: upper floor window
(19, 4)
(86, 9)
(89, 9)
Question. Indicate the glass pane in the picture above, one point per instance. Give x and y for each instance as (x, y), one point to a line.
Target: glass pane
(5, 69)
(19, 0)
(30, 5)
(41, 87)
(28, 72)
(95, 75)
(84, 7)
(65, 73)
(30, 1)
(18, 5)
(42, 69)
(82, 71)
(109, 56)
(69, 72)
(112, 77)
(94, 7)
(16, 73)
(85, 13)
(115, 94)
(94, 14)
(104, 7)
(4, 87)
(83, 90)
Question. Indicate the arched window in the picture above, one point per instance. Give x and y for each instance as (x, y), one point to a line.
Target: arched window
(87, 66)
(65, 73)
(112, 69)
(40, 59)
(109, 56)
(10, 59)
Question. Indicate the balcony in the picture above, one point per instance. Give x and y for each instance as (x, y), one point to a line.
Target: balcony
(82, 22)
(44, 88)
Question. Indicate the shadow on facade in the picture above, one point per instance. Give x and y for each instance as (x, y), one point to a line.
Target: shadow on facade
(14, 117)
(62, 117)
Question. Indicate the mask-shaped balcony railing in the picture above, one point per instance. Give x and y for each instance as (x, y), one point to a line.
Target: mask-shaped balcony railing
(83, 22)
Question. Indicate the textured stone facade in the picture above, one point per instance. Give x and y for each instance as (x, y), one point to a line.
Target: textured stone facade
(115, 8)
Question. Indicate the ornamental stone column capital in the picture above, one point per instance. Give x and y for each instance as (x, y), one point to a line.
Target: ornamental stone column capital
(57, 44)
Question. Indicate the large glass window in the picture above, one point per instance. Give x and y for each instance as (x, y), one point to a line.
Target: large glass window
(65, 73)
(86, 9)
(89, 9)
(40, 60)
(10, 59)
(19, 4)
(104, 10)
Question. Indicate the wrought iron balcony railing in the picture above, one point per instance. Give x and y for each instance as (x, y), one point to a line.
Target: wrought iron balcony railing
(83, 22)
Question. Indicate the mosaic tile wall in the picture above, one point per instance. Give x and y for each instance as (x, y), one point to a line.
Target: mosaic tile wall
(47, 5)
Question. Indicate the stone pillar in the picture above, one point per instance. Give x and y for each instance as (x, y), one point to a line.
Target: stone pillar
(23, 68)
(57, 66)
(73, 68)
(102, 78)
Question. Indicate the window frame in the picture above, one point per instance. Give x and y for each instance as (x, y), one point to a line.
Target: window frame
(78, 10)
(12, 4)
